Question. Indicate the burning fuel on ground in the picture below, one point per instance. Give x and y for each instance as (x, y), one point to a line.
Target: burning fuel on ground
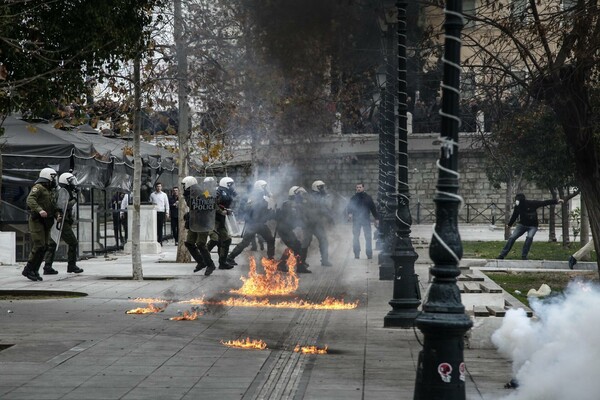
(310, 349)
(150, 309)
(272, 282)
(247, 343)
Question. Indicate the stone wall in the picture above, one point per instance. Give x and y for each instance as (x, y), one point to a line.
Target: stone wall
(343, 161)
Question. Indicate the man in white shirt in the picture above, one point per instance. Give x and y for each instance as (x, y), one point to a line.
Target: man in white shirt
(161, 205)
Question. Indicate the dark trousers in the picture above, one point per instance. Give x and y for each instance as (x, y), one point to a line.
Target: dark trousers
(365, 225)
(68, 236)
(175, 228)
(160, 226)
(40, 238)
(116, 216)
(249, 233)
(318, 230)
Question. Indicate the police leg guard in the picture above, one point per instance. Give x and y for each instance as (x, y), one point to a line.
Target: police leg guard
(223, 254)
(211, 244)
(195, 253)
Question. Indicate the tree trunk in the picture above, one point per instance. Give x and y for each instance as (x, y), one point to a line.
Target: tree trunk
(136, 257)
(584, 223)
(552, 223)
(508, 206)
(183, 132)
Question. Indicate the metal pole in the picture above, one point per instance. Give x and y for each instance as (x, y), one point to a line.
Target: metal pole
(441, 370)
(388, 167)
(407, 296)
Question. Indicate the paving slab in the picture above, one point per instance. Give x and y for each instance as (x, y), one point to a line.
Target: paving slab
(89, 348)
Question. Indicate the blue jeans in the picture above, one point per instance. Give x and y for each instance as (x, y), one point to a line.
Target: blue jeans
(366, 228)
(517, 233)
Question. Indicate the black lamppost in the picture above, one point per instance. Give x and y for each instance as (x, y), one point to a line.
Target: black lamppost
(406, 297)
(441, 368)
(387, 148)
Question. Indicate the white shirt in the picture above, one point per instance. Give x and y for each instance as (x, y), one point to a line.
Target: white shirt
(160, 201)
(124, 204)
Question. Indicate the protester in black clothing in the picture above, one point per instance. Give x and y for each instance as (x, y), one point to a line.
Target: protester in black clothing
(359, 211)
(261, 208)
(115, 205)
(289, 218)
(174, 212)
(526, 212)
(318, 216)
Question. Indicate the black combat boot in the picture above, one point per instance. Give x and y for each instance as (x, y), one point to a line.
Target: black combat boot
(74, 268)
(48, 270)
(29, 273)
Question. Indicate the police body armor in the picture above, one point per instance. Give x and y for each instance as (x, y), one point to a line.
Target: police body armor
(202, 206)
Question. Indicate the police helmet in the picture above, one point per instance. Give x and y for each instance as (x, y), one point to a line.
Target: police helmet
(260, 184)
(226, 182)
(292, 190)
(47, 175)
(188, 182)
(67, 179)
(317, 186)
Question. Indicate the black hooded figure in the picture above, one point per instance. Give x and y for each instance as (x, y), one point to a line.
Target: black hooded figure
(526, 212)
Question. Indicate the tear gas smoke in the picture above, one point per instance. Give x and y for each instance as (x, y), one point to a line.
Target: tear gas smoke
(554, 357)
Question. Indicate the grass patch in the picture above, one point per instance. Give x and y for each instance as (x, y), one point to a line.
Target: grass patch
(552, 251)
(511, 281)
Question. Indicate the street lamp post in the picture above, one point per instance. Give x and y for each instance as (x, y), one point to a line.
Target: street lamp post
(387, 160)
(443, 322)
(406, 297)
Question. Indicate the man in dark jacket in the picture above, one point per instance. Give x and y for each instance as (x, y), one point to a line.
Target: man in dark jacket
(359, 211)
(526, 212)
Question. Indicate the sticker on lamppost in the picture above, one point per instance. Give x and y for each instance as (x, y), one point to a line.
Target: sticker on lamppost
(462, 369)
(445, 369)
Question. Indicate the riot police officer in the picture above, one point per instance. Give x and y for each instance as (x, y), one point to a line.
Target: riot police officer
(42, 211)
(220, 237)
(288, 219)
(66, 181)
(261, 208)
(318, 215)
(195, 242)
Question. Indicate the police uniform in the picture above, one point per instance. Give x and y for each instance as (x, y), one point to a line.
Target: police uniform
(40, 198)
(68, 236)
(195, 242)
(220, 236)
(260, 211)
(289, 218)
(318, 214)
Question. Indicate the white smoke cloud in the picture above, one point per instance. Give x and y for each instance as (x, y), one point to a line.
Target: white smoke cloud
(554, 357)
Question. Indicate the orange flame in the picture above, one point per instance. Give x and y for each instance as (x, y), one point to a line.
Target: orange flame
(186, 316)
(272, 282)
(246, 344)
(150, 300)
(328, 304)
(151, 309)
(310, 349)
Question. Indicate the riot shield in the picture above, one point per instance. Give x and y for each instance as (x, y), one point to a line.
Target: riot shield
(202, 207)
(233, 229)
(62, 201)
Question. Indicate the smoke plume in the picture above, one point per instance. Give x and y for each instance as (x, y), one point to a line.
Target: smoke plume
(554, 357)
